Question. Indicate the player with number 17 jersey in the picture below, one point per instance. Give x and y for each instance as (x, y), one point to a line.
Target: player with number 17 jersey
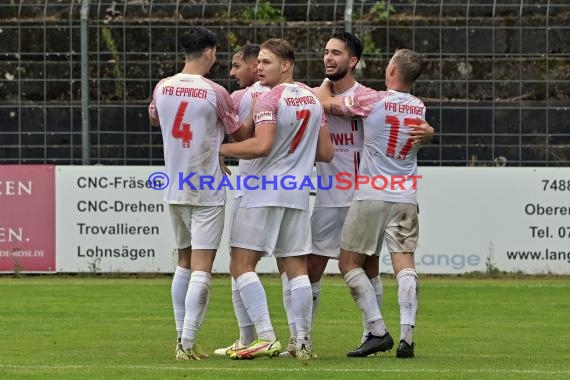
(194, 114)
(299, 116)
(388, 152)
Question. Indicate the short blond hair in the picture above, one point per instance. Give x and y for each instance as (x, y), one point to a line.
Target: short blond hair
(409, 63)
(281, 48)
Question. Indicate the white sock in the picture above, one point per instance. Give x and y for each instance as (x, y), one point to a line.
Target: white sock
(408, 301)
(288, 304)
(246, 326)
(302, 298)
(363, 293)
(196, 304)
(379, 291)
(255, 302)
(316, 290)
(178, 291)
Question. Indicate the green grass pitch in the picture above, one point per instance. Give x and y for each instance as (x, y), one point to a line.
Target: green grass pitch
(122, 328)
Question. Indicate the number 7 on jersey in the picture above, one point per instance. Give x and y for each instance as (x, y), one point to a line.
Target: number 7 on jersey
(301, 115)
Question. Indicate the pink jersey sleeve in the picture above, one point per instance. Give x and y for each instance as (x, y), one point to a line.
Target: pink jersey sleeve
(152, 106)
(361, 102)
(237, 96)
(225, 108)
(265, 110)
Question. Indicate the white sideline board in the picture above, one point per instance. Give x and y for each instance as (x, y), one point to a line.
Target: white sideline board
(513, 219)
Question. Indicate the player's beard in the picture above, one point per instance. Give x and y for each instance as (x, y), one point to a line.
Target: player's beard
(338, 75)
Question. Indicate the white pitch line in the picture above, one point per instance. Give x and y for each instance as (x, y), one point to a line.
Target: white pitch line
(305, 369)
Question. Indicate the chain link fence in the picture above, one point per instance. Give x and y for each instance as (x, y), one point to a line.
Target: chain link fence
(496, 85)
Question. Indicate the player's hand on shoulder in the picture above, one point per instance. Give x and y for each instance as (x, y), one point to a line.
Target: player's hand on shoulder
(422, 133)
(325, 90)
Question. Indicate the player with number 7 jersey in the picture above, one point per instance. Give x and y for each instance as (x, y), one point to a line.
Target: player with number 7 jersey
(299, 116)
(290, 134)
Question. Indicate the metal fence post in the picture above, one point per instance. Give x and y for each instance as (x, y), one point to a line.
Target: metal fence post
(348, 16)
(85, 143)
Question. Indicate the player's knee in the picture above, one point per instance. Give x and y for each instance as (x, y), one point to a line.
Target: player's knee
(371, 272)
(346, 262)
(185, 257)
(238, 267)
(315, 268)
(345, 266)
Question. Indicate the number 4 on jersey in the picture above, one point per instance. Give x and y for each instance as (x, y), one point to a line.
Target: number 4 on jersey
(394, 122)
(182, 130)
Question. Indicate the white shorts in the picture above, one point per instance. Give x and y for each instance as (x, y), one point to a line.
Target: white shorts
(326, 228)
(369, 222)
(235, 208)
(278, 231)
(199, 227)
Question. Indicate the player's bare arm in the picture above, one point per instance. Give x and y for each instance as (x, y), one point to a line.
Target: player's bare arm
(154, 121)
(257, 146)
(325, 149)
(245, 131)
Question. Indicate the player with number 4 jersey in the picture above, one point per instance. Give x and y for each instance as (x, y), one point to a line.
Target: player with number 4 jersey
(194, 113)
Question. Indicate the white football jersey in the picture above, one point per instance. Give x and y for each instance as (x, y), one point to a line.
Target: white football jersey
(298, 116)
(347, 136)
(388, 159)
(194, 114)
(243, 100)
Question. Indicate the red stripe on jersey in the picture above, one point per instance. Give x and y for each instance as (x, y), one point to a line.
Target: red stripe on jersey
(303, 115)
(356, 162)
(409, 142)
(354, 125)
(393, 138)
(405, 149)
